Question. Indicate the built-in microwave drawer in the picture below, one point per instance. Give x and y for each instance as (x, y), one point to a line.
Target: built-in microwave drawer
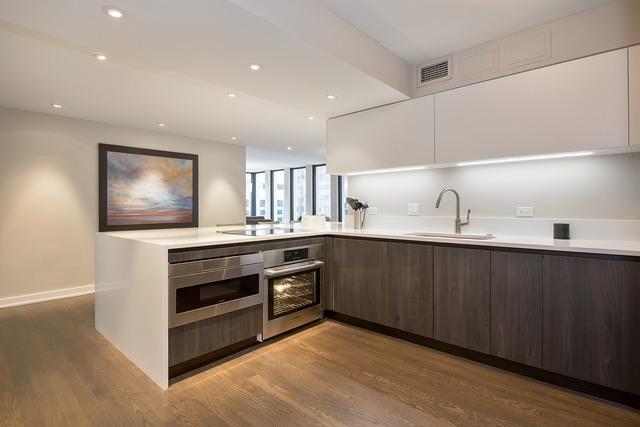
(207, 294)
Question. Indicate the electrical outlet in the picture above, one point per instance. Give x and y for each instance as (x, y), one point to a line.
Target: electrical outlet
(413, 209)
(524, 211)
(372, 210)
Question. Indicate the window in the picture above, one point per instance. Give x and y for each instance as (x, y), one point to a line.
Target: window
(267, 197)
(261, 194)
(321, 191)
(248, 194)
(255, 194)
(298, 192)
(277, 195)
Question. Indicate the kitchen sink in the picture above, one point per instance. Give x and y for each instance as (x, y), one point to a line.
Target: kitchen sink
(454, 235)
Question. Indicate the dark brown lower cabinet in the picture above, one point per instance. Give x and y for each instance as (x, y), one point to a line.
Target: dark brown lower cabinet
(591, 315)
(462, 297)
(196, 339)
(516, 307)
(358, 275)
(578, 316)
(408, 302)
(384, 282)
(326, 294)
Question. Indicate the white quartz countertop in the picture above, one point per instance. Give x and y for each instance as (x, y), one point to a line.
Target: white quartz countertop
(211, 236)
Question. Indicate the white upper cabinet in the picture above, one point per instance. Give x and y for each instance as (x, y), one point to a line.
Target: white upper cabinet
(393, 136)
(573, 106)
(634, 95)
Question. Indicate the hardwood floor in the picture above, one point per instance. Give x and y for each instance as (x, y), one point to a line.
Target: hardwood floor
(56, 370)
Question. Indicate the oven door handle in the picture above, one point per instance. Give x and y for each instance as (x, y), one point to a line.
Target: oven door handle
(276, 272)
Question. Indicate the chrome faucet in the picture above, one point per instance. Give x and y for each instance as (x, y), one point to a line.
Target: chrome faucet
(459, 223)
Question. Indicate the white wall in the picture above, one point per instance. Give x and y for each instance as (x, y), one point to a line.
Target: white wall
(49, 194)
(611, 26)
(598, 187)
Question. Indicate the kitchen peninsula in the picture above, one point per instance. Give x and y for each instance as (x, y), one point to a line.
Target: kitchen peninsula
(506, 301)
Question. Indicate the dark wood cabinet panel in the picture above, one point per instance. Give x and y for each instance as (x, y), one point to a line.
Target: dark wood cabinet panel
(374, 262)
(408, 302)
(358, 276)
(516, 307)
(591, 320)
(462, 297)
(205, 336)
(386, 283)
(327, 282)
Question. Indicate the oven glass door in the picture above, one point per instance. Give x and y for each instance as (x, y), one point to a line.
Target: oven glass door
(292, 292)
(216, 292)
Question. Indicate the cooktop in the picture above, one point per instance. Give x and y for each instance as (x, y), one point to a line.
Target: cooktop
(260, 231)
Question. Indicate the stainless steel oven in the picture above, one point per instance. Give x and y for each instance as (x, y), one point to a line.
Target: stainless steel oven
(210, 287)
(293, 280)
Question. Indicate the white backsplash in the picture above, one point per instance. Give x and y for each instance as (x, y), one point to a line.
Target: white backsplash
(591, 229)
(599, 196)
(598, 187)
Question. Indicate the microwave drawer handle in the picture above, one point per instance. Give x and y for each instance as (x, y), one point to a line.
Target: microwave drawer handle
(275, 272)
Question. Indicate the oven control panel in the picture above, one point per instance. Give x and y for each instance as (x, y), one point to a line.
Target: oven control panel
(296, 255)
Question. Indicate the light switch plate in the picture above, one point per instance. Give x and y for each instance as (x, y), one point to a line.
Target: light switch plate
(413, 209)
(372, 210)
(524, 211)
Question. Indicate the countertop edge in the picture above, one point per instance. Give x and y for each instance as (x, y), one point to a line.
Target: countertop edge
(499, 242)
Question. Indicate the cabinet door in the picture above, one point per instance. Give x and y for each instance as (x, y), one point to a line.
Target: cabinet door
(407, 302)
(391, 136)
(358, 276)
(591, 315)
(516, 307)
(634, 94)
(462, 297)
(573, 106)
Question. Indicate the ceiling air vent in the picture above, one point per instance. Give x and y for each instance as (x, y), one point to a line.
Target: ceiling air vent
(434, 72)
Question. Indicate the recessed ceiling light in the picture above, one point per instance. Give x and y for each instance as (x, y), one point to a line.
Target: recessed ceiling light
(161, 125)
(113, 12)
(310, 117)
(100, 56)
(56, 105)
(289, 148)
(331, 96)
(234, 137)
(231, 95)
(255, 67)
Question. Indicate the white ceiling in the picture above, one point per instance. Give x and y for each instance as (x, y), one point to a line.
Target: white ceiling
(175, 61)
(261, 159)
(420, 30)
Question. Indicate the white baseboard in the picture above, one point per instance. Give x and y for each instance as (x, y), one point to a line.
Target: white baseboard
(46, 296)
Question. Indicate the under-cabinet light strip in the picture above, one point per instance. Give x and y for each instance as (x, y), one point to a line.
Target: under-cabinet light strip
(368, 172)
(526, 158)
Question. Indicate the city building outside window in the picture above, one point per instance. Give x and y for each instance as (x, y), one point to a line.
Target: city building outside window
(261, 195)
(277, 195)
(298, 193)
(321, 191)
(248, 193)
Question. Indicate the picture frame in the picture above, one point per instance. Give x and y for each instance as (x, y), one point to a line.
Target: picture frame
(142, 189)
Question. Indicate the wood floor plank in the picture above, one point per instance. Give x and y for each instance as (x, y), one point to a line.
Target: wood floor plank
(57, 370)
(475, 384)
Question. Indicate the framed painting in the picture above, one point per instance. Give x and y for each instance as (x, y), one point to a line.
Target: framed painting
(142, 189)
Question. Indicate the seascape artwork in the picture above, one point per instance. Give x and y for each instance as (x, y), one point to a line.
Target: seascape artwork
(145, 189)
